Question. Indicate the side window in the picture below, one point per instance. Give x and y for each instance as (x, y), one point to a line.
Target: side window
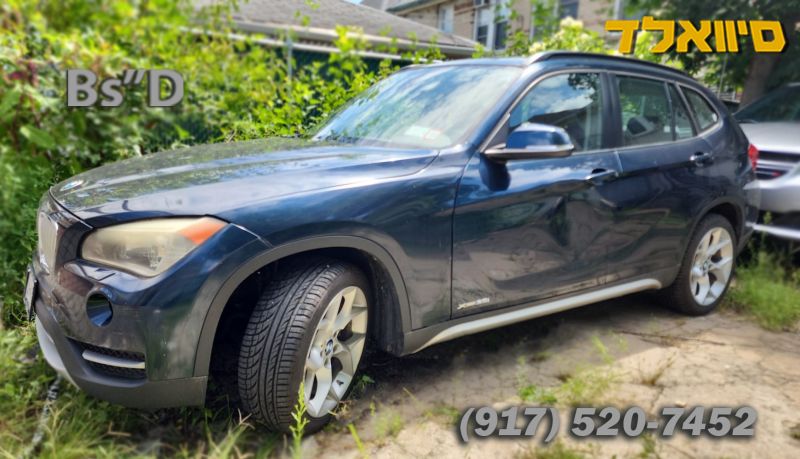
(646, 117)
(683, 123)
(703, 113)
(572, 101)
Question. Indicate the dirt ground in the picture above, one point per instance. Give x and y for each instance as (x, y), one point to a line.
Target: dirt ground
(651, 356)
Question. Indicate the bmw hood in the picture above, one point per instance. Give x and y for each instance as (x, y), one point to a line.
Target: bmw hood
(212, 179)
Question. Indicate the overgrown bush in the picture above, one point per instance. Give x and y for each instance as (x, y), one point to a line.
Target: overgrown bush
(234, 90)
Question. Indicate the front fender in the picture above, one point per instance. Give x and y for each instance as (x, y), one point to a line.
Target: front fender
(272, 254)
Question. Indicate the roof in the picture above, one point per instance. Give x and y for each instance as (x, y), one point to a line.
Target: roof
(551, 55)
(378, 27)
(385, 4)
(566, 55)
(396, 6)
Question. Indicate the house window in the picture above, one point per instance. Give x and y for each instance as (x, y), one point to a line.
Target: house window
(483, 22)
(446, 18)
(500, 33)
(501, 13)
(491, 24)
(568, 8)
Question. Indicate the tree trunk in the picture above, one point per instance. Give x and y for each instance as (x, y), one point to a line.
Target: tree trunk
(761, 67)
(762, 64)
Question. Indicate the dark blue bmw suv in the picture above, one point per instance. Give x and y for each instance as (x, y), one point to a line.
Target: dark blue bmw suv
(446, 200)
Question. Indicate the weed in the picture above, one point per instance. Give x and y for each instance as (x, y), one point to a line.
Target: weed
(449, 413)
(359, 444)
(229, 444)
(300, 422)
(533, 393)
(766, 292)
(622, 342)
(557, 450)
(388, 424)
(361, 385)
(584, 388)
(649, 448)
(601, 349)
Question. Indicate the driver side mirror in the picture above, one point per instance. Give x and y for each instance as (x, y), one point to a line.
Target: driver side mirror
(532, 141)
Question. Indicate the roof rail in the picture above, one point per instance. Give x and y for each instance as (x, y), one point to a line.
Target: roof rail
(548, 55)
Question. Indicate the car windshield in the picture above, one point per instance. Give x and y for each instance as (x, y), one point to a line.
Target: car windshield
(427, 107)
(780, 105)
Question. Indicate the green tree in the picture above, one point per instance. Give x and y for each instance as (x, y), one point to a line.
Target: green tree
(234, 89)
(754, 72)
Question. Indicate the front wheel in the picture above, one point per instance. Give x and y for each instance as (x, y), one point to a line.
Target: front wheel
(706, 270)
(309, 325)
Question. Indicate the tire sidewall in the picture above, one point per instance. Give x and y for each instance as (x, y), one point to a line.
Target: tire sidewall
(350, 276)
(708, 223)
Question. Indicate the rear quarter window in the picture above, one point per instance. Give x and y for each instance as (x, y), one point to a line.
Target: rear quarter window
(705, 115)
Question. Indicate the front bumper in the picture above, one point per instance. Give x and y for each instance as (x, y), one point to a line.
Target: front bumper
(781, 195)
(65, 357)
(145, 355)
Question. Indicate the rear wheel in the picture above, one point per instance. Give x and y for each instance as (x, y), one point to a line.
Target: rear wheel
(706, 270)
(309, 325)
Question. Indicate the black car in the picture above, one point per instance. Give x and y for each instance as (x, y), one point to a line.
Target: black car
(446, 200)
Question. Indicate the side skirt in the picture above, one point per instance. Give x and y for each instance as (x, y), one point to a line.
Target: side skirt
(417, 340)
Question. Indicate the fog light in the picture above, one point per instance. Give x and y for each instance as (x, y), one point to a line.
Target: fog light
(98, 308)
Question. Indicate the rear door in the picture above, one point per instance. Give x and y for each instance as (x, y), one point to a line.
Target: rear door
(666, 176)
(530, 229)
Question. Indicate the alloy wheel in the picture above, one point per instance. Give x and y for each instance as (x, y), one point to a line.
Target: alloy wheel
(712, 266)
(335, 351)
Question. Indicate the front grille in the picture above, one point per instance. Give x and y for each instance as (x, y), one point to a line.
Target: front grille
(111, 370)
(772, 165)
(59, 234)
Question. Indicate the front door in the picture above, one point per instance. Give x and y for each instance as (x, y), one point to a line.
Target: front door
(526, 230)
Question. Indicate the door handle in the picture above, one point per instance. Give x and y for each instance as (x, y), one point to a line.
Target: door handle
(599, 176)
(700, 158)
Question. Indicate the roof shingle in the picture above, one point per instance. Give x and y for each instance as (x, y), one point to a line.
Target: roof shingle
(327, 14)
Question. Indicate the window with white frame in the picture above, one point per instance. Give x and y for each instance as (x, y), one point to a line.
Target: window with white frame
(446, 18)
(483, 21)
(491, 23)
(502, 14)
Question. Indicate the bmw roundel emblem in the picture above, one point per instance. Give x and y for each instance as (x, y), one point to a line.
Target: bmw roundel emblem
(70, 185)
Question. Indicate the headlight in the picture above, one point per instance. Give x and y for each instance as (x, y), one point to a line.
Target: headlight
(148, 247)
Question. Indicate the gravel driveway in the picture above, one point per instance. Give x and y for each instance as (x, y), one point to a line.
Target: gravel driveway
(623, 352)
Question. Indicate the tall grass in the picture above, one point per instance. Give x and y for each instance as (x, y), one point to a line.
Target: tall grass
(767, 288)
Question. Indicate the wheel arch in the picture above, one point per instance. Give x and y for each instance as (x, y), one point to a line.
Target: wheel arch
(730, 209)
(387, 325)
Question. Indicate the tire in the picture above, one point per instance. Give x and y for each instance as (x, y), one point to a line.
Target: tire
(276, 352)
(686, 293)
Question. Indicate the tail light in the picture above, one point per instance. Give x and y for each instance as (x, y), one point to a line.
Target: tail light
(752, 153)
